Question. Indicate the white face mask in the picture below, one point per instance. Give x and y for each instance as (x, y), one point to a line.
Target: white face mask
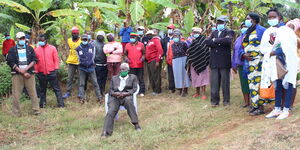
(273, 22)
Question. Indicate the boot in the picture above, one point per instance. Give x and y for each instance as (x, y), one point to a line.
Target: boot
(179, 91)
(185, 92)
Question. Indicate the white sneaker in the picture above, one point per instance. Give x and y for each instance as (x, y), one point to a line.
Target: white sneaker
(283, 115)
(142, 95)
(273, 114)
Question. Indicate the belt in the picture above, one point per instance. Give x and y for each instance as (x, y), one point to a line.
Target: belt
(101, 65)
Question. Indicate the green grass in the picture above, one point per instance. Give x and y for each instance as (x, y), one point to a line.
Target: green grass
(168, 122)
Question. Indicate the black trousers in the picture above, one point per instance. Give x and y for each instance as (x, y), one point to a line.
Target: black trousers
(113, 108)
(139, 72)
(171, 78)
(155, 76)
(101, 73)
(220, 77)
(52, 79)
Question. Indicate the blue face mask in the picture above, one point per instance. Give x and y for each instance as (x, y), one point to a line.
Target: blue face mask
(85, 42)
(176, 40)
(89, 37)
(196, 35)
(22, 42)
(8, 37)
(132, 40)
(41, 43)
(170, 31)
(273, 22)
(140, 32)
(220, 27)
(213, 29)
(248, 23)
(243, 30)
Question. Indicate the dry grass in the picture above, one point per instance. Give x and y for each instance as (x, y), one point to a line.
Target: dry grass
(168, 122)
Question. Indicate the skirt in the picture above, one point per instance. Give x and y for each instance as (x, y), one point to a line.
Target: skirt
(201, 79)
(243, 81)
(180, 75)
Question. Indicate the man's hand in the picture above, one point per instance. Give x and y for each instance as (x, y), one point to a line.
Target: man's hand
(248, 57)
(27, 75)
(22, 71)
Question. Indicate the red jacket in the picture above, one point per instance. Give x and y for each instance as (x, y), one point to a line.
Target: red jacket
(135, 55)
(48, 59)
(7, 44)
(154, 50)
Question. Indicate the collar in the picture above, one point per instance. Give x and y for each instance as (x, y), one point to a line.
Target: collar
(125, 78)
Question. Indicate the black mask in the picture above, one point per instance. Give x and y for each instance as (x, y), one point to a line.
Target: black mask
(110, 39)
(100, 38)
(75, 37)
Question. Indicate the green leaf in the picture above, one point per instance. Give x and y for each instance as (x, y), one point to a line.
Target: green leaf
(136, 11)
(111, 17)
(98, 4)
(165, 3)
(65, 12)
(5, 16)
(289, 3)
(189, 21)
(48, 22)
(38, 5)
(16, 6)
(161, 25)
(12, 32)
(122, 4)
(23, 27)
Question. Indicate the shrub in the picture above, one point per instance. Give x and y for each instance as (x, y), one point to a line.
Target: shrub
(5, 79)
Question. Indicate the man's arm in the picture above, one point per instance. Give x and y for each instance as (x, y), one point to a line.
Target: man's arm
(159, 49)
(119, 49)
(121, 33)
(226, 41)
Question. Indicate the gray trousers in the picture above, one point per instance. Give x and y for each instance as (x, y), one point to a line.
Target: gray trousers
(220, 77)
(71, 72)
(82, 82)
(113, 108)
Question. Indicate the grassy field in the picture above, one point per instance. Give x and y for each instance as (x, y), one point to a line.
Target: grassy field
(168, 122)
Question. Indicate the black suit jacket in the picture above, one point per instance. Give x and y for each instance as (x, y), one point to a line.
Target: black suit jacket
(130, 87)
(220, 54)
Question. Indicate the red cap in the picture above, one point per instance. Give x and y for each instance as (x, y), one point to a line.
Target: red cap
(75, 30)
(171, 26)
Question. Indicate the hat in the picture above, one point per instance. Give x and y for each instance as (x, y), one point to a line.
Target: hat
(75, 30)
(133, 34)
(171, 26)
(111, 34)
(20, 34)
(84, 36)
(150, 32)
(222, 18)
(196, 29)
(125, 65)
(141, 28)
(100, 33)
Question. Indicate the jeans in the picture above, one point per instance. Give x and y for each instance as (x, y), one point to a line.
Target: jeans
(101, 72)
(279, 94)
(82, 82)
(52, 79)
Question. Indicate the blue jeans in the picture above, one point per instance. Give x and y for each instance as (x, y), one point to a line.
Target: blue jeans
(279, 94)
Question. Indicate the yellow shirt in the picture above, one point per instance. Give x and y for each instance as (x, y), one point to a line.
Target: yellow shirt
(73, 58)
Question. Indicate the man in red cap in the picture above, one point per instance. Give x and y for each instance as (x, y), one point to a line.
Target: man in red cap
(134, 52)
(165, 44)
(72, 60)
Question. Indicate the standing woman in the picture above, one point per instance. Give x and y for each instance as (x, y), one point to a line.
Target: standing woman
(198, 61)
(253, 56)
(179, 49)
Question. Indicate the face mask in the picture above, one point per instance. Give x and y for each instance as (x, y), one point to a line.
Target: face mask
(273, 22)
(85, 42)
(89, 37)
(220, 27)
(75, 37)
(123, 73)
(140, 32)
(196, 35)
(8, 37)
(22, 42)
(170, 31)
(243, 30)
(100, 38)
(176, 40)
(132, 40)
(213, 29)
(248, 23)
(41, 43)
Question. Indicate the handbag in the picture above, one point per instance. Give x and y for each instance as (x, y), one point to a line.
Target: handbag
(281, 71)
(267, 93)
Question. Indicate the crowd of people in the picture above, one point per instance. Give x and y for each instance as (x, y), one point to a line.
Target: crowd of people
(267, 61)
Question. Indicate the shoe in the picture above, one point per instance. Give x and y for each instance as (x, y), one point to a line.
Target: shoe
(273, 114)
(36, 112)
(283, 115)
(251, 109)
(204, 97)
(67, 95)
(256, 112)
(184, 92)
(196, 95)
(142, 95)
(137, 127)
(214, 105)
(81, 101)
(105, 135)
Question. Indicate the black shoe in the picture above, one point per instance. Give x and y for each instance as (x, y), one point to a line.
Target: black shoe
(256, 112)
(214, 105)
(105, 135)
(137, 127)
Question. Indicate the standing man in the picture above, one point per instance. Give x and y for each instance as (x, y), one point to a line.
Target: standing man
(72, 60)
(46, 69)
(154, 53)
(220, 43)
(100, 61)
(21, 59)
(7, 44)
(134, 52)
(165, 45)
(125, 34)
(141, 35)
(113, 51)
(86, 54)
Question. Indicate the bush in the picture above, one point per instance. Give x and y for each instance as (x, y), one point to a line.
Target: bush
(5, 79)
(62, 73)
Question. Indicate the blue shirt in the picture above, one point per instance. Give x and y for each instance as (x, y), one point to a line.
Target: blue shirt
(125, 33)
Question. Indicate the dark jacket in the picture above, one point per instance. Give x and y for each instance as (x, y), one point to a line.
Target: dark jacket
(179, 49)
(13, 59)
(164, 44)
(100, 57)
(131, 84)
(144, 40)
(220, 54)
(86, 56)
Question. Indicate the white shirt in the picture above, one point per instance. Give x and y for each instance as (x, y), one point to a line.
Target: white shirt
(122, 83)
